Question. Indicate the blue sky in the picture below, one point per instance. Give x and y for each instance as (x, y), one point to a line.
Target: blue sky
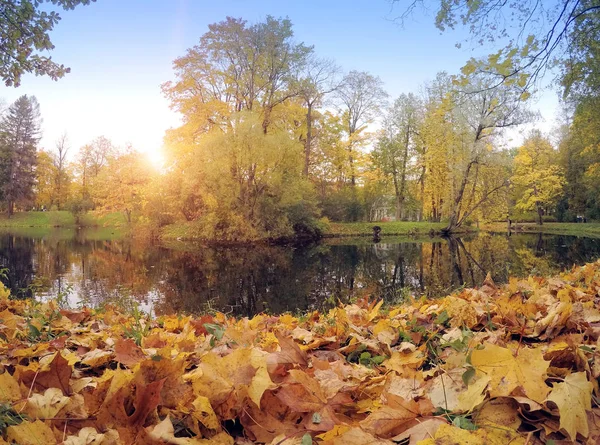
(120, 52)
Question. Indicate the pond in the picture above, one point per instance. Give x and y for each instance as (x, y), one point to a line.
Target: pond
(82, 268)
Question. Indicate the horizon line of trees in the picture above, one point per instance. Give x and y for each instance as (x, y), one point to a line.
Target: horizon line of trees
(274, 138)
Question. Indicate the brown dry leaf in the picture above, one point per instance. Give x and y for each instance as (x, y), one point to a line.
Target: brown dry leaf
(408, 389)
(289, 356)
(54, 372)
(390, 421)
(165, 366)
(500, 411)
(425, 429)
(127, 352)
(47, 405)
(164, 433)
(573, 398)
(445, 389)
(89, 436)
(113, 412)
(353, 436)
(96, 358)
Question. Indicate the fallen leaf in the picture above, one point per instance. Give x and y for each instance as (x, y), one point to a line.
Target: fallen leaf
(30, 433)
(573, 398)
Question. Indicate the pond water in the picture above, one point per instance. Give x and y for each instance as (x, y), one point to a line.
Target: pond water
(81, 268)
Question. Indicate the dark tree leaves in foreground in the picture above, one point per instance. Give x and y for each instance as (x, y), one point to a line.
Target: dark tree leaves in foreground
(24, 35)
(533, 36)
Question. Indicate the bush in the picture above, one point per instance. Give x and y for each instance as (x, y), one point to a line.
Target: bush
(344, 205)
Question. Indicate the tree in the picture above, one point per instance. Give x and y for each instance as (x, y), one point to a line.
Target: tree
(319, 78)
(537, 178)
(19, 136)
(121, 186)
(236, 67)
(24, 31)
(398, 144)
(536, 33)
(581, 66)
(361, 96)
(244, 184)
(481, 111)
(89, 163)
(61, 179)
(45, 175)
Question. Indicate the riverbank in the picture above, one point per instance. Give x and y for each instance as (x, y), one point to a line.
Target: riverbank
(389, 228)
(501, 364)
(185, 231)
(590, 230)
(62, 219)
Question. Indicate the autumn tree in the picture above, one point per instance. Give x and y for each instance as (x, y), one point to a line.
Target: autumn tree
(537, 178)
(397, 145)
(482, 110)
(91, 159)
(247, 184)
(61, 178)
(318, 78)
(25, 27)
(120, 187)
(45, 175)
(236, 67)
(361, 97)
(19, 137)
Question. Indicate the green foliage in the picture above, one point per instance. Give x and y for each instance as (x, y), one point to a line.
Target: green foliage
(9, 417)
(24, 29)
(19, 137)
(78, 207)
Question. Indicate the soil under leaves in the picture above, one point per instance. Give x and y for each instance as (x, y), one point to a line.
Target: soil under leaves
(515, 364)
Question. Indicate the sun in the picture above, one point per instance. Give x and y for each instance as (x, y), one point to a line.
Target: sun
(156, 158)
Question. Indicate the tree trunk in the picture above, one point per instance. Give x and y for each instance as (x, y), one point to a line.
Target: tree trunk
(308, 141)
(540, 213)
(454, 221)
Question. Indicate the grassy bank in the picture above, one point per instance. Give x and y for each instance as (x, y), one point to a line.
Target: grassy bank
(387, 228)
(591, 230)
(454, 370)
(61, 219)
(187, 230)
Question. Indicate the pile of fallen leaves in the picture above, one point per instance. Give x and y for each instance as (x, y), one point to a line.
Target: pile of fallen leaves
(516, 364)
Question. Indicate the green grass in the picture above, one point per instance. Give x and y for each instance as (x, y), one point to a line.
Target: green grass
(61, 219)
(591, 230)
(387, 228)
(184, 230)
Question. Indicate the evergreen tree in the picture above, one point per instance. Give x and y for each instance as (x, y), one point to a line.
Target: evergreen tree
(19, 137)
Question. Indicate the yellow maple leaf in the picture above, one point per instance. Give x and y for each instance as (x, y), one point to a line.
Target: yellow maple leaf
(573, 398)
(9, 388)
(527, 370)
(30, 433)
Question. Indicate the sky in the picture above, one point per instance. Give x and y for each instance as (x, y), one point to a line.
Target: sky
(121, 51)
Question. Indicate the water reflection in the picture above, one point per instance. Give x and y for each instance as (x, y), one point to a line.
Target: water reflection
(247, 280)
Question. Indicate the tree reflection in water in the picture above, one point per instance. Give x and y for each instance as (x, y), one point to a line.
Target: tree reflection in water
(252, 279)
